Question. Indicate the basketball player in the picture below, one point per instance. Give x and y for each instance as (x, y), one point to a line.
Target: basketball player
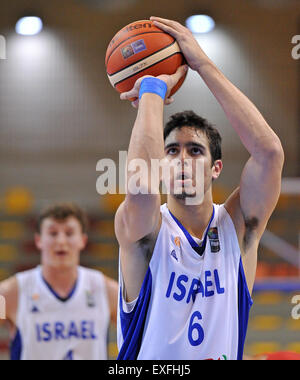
(187, 272)
(60, 311)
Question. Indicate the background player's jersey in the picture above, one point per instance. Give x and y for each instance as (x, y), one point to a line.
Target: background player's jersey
(52, 329)
(190, 307)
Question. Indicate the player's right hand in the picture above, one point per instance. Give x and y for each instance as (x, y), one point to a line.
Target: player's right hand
(170, 80)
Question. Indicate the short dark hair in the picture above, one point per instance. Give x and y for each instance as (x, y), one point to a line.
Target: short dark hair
(191, 119)
(62, 212)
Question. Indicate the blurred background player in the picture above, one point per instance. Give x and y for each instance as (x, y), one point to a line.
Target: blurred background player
(187, 272)
(60, 310)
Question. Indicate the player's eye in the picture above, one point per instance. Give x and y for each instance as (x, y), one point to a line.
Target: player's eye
(196, 151)
(172, 151)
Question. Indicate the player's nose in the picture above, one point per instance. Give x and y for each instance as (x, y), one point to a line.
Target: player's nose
(61, 238)
(182, 156)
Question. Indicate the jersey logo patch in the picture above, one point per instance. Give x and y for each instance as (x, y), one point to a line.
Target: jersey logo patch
(90, 299)
(34, 309)
(35, 298)
(173, 254)
(213, 235)
(177, 241)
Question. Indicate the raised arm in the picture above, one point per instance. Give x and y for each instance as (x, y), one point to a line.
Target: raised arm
(252, 204)
(137, 221)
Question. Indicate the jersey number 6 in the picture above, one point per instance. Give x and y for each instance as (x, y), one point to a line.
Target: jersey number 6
(196, 332)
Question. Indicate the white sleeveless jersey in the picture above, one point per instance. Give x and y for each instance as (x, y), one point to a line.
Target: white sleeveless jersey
(190, 307)
(51, 329)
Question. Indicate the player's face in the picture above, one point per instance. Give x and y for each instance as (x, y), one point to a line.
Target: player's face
(186, 147)
(61, 242)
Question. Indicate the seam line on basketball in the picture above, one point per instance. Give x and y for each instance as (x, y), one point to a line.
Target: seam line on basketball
(127, 39)
(148, 67)
(130, 71)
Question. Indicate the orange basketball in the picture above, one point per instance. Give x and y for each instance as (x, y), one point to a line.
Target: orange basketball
(141, 49)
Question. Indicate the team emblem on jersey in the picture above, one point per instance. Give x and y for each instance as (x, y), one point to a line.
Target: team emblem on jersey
(176, 252)
(90, 299)
(177, 241)
(214, 240)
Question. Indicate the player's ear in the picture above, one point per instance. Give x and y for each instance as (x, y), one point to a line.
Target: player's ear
(37, 240)
(217, 169)
(84, 241)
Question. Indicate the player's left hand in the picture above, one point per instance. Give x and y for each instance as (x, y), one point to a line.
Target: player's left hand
(190, 48)
(170, 80)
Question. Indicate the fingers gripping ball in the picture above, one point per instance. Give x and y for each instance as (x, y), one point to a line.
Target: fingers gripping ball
(142, 49)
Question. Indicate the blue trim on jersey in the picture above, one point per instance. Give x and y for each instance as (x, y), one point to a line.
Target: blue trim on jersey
(245, 304)
(133, 323)
(199, 249)
(58, 296)
(16, 347)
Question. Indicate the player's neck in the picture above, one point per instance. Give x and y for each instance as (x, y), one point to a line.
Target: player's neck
(195, 219)
(61, 281)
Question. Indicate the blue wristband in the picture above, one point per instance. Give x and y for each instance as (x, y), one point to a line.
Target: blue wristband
(153, 86)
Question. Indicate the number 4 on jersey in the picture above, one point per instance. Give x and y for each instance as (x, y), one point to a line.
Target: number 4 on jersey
(69, 356)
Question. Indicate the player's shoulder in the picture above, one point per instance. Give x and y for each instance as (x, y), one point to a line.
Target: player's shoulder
(27, 275)
(89, 274)
(221, 213)
(9, 286)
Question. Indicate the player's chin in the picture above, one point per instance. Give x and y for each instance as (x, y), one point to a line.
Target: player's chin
(65, 261)
(184, 194)
(184, 190)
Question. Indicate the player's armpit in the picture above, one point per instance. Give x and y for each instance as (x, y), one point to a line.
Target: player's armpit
(137, 227)
(260, 189)
(252, 204)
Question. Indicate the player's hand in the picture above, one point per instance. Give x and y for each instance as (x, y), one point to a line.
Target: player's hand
(189, 46)
(170, 80)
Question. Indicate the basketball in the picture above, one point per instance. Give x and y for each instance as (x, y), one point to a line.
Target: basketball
(141, 49)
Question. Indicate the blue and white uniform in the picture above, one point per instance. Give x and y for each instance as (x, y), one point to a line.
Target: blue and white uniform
(191, 306)
(49, 328)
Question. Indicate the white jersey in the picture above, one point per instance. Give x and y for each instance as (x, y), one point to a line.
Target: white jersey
(191, 306)
(49, 328)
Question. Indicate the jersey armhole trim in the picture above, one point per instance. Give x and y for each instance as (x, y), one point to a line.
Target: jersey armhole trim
(132, 324)
(245, 303)
(16, 347)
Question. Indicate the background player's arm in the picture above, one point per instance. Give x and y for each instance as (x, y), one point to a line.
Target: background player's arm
(253, 203)
(137, 221)
(9, 290)
(112, 289)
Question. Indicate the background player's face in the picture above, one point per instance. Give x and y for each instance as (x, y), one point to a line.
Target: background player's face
(190, 144)
(61, 242)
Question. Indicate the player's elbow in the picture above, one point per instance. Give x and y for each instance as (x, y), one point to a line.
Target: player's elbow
(275, 153)
(137, 217)
(270, 152)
